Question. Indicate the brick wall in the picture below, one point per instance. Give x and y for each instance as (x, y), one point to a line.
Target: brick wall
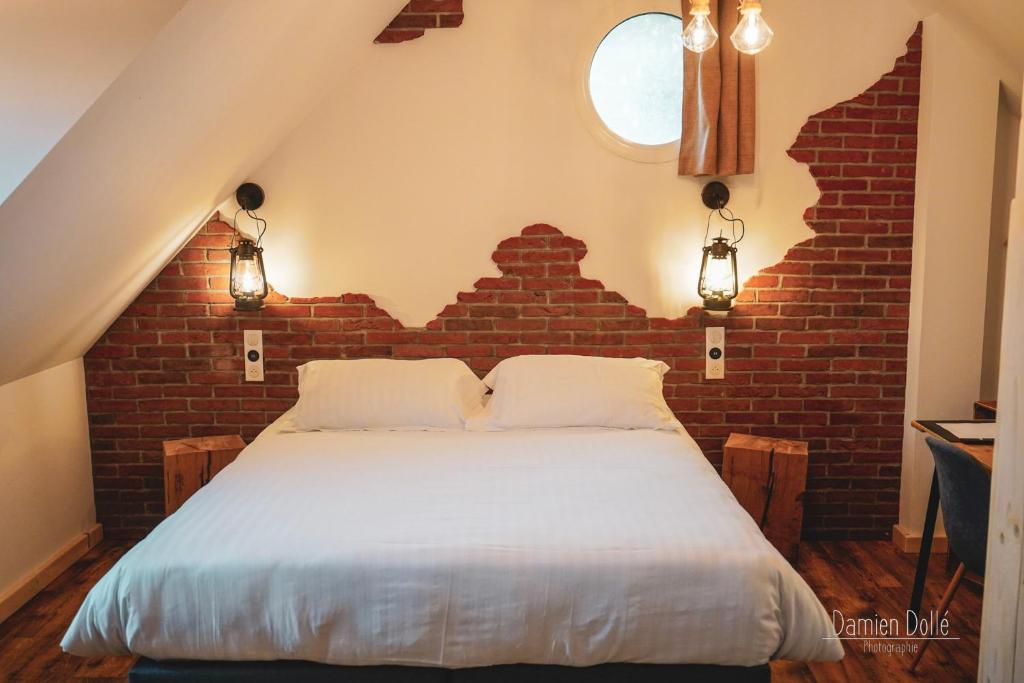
(817, 343)
(419, 15)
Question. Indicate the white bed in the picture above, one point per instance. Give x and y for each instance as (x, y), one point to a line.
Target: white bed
(558, 546)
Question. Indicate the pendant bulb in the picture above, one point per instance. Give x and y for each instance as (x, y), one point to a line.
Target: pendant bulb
(700, 34)
(752, 34)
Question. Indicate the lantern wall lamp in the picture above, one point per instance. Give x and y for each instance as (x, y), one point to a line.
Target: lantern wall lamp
(248, 283)
(718, 283)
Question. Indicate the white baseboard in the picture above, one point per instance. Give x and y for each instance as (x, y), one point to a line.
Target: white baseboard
(911, 543)
(37, 580)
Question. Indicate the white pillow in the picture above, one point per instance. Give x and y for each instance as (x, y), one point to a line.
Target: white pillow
(576, 391)
(429, 394)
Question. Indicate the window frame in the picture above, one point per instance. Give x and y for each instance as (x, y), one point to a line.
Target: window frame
(592, 38)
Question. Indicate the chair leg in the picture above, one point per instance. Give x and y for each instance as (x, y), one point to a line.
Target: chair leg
(943, 606)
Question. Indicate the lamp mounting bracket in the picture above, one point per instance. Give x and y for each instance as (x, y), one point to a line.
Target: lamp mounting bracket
(715, 195)
(249, 196)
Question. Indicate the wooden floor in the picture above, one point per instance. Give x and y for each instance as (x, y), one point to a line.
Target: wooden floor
(859, 579)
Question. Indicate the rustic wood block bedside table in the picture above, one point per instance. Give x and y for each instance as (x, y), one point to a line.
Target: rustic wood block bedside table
(190, 463)
(768, 477)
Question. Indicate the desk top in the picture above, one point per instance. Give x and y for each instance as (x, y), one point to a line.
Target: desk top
(980, 452)
(987, 405)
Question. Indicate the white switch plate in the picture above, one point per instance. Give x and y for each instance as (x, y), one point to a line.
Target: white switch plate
(714, 353)
(253, 355)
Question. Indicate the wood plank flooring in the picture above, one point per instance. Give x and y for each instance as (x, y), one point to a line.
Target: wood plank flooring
(859, 579)
(29, 639)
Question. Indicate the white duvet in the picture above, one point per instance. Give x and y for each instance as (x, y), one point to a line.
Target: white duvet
(560, 546)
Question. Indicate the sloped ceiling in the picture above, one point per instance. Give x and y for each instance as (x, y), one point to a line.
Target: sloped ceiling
(55, 60)
(996, 26)
(1000, 22)
(205, 101)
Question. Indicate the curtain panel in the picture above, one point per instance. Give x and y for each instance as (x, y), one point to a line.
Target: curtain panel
(719, 103)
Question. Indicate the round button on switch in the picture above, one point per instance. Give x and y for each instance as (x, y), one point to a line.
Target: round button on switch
(715, 353)
(253, 355)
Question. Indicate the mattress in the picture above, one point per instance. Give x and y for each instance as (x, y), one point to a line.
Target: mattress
(453, 549)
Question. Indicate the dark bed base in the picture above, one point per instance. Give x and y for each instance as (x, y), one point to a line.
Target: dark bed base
(150, 671)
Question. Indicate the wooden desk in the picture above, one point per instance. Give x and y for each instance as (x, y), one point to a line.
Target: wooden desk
(985, 410)
(980, 452)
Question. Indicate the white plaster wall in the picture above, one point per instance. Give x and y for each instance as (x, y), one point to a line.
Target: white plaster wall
(55, 59)
(1004, 180)
(1002, 627)
(45, 469)
(412, 158)
(401, 183)
(960, 92)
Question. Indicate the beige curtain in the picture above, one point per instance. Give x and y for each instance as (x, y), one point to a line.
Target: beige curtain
(718, 103)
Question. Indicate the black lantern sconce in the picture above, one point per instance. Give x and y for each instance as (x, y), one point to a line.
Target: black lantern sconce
(719, 282)
(248, 284)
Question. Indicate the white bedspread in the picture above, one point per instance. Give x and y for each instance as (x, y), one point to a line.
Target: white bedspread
(567, 546)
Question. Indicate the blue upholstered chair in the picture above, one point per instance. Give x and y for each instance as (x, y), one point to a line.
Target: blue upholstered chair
(964, 490)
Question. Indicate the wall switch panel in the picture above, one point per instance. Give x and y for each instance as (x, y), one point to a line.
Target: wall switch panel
(253, 350)
(714, 353)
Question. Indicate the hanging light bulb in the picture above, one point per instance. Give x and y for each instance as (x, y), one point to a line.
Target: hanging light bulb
(700, 35)
(752, 34)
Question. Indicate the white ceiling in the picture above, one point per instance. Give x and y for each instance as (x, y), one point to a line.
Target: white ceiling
(994, 25)
(111, 203)
(1000, 21)
(56, 58)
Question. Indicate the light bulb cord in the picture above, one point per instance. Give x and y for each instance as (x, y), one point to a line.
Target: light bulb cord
(261, 226)
(732, 219)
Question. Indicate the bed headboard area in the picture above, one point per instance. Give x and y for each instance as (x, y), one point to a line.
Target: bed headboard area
(816, 344)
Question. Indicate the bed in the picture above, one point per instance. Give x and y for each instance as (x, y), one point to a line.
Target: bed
(456, 550)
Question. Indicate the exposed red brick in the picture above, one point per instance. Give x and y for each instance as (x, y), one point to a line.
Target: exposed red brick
(418, 16)
(816, 347)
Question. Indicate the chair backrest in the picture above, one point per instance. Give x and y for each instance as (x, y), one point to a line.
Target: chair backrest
(965, 487)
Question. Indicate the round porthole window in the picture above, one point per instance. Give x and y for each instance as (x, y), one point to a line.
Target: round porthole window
(635, 83)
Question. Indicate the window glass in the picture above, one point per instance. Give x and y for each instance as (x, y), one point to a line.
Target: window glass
(636, 79)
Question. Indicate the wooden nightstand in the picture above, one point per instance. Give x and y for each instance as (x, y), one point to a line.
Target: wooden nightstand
(190, 463)
(768, 477)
